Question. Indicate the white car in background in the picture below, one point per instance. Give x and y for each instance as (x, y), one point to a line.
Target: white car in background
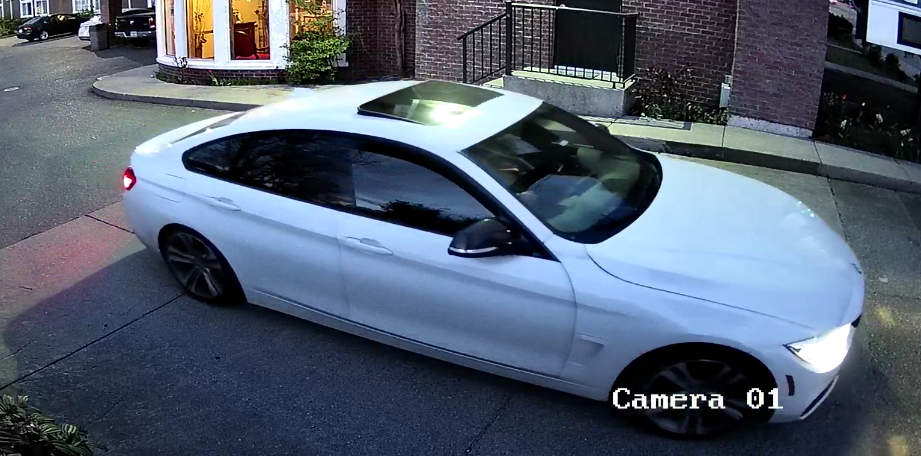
(492, 230)
(84, 32)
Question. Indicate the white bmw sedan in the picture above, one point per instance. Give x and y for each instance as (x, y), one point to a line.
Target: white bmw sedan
(495, 231)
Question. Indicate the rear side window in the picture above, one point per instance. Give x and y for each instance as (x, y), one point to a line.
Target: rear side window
(301, 165)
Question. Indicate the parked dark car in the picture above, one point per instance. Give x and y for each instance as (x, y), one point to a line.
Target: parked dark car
(137, 25)
(44, 27)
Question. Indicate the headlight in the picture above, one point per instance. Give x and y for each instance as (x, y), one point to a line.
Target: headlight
(826, 352)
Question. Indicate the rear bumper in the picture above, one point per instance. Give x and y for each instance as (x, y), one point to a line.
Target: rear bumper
(134, 35)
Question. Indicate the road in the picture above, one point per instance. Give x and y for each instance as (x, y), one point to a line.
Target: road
(97, 334)
(62, 148)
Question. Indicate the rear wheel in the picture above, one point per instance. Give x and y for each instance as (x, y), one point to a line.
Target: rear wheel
(199, 267)
(43, 36)
(720, 383)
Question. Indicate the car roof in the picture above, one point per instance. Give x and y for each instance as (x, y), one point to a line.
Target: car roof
(358, 109)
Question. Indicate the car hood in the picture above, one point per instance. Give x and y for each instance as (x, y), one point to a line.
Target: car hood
(718, 236)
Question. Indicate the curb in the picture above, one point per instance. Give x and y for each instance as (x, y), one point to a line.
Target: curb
(780, 163)
(183, 102)
(716, 153)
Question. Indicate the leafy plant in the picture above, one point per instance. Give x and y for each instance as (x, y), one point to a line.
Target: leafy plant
(9, 26)
(875, 55)
(316, 45)
(25, 431)
(662, 95)
(852, 124)
(85, 14)
(839, 28)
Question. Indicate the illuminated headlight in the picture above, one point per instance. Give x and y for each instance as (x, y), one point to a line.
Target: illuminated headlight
(826, 352)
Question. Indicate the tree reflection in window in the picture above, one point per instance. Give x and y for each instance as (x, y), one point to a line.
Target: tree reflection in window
(301, 165)
(405, 193)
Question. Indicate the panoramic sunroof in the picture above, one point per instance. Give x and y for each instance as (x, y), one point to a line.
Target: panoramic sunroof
(430, 103)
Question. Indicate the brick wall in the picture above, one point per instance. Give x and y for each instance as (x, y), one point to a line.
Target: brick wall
(372, 26)
(439, 23)
(779, 61)
(203, 77)
(698, 34)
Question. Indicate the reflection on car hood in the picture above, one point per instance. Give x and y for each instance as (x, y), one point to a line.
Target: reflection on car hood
(725, 238)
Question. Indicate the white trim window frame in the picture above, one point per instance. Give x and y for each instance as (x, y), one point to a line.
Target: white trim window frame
(339, 7)
(31, 5)
(43, 5)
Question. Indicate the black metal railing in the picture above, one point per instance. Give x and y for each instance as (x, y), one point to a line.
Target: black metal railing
(573, 42)
(484, 50)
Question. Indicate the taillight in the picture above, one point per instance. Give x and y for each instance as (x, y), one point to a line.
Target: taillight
(128, 180)
(151, 22)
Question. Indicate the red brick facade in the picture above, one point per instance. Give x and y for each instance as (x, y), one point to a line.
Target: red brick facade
(371, 24)
(203, 77)
(779, 61)
(697, 34)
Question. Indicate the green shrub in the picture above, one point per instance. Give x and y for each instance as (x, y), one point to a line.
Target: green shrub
(315, 48)
(875, 55)
(851, 124)
(9, 26)
(840, 28)
(661, 95)
(86, 14)
(25, 431)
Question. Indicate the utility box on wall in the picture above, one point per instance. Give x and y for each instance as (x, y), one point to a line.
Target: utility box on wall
(895, 24)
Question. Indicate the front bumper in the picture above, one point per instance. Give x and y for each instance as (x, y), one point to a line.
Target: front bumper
(26, 36)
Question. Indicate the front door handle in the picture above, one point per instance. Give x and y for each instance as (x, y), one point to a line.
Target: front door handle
(221, 202)
(364, 245)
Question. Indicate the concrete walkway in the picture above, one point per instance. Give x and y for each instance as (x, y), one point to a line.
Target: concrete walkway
(713, 142)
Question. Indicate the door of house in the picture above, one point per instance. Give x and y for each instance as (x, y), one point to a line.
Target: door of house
(586, 40)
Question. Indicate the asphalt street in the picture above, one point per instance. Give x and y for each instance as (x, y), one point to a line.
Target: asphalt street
(62, 148)
(97, 334)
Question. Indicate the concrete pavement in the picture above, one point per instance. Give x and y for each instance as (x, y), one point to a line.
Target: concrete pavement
(730, 144)
(97, 333)
(62, 148)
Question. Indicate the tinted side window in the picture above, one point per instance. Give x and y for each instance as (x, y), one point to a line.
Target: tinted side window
(408, 194)
(301, 165)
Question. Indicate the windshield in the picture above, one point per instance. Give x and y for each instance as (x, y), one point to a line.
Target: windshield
(34, 20)
(581, 182)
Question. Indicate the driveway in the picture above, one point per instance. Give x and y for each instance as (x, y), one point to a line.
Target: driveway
(62, 148)
(97, 334)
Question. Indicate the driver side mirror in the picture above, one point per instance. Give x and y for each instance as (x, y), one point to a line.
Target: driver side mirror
(486, 238)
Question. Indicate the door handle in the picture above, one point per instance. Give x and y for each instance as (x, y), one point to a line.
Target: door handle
(221, 202)
(361, 244)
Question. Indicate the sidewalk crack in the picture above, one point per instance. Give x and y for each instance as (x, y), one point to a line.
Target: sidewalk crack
(99, 339)
(110, 224)
(492, 420)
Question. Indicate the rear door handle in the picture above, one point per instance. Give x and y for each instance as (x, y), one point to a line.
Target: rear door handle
(364, 245)
(221, 202)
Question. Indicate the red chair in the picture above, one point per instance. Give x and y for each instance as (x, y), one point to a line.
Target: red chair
(244, 48)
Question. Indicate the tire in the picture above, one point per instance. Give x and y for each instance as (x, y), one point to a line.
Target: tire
(703, 373)
(43, 36)
(200, 268)
(142, 42)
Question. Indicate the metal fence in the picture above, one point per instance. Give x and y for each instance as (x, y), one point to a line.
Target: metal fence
(573, 42)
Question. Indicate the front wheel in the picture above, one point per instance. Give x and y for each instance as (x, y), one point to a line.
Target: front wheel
(43, 36)
(698, 396)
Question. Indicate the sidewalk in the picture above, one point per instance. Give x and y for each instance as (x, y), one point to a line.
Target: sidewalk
(712, 142)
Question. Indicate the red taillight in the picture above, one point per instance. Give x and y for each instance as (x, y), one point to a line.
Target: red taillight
(151, 22)
(128, 180)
